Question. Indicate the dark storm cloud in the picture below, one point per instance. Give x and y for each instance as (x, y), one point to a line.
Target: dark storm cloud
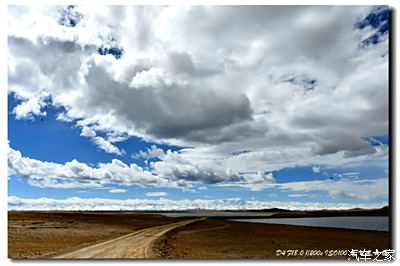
(168, 111)
(335, 141)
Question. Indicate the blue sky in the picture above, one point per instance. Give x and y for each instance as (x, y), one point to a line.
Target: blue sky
(108, 108)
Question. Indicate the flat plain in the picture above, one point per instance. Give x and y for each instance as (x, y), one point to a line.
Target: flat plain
(133, 235)
(38, 234)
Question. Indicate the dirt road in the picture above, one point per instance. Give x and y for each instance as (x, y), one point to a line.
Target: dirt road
(136, 245)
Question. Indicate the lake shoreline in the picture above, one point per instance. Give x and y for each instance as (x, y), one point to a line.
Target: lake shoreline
(370, 223)
(221, 239)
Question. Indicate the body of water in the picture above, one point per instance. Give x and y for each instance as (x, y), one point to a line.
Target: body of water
(376, 223)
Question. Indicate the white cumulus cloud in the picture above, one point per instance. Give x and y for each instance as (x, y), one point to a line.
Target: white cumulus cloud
(152, 152)
(76, 174)
(17, 203)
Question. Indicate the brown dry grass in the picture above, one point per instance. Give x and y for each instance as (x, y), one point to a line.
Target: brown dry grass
(44, 234)
(218, 239)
